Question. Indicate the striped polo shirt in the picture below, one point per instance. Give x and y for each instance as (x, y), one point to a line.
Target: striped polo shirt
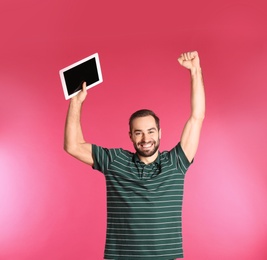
(144, 203)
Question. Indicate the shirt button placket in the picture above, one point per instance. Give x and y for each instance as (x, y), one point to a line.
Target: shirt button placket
(144, 172)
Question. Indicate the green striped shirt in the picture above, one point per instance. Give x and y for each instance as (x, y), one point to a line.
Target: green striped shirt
(144, 203)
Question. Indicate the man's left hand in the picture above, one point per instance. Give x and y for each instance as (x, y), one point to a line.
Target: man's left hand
(190, 60)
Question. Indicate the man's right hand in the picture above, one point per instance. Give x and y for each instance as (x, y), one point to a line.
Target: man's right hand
(80, 97)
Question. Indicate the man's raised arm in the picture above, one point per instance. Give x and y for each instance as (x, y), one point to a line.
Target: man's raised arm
(74, 143)
(191, 133)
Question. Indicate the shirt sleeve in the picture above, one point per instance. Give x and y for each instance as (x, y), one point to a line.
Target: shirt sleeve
(102, 158)
(182, 161)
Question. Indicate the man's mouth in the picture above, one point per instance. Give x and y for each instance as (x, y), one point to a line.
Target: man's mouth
(146, 145)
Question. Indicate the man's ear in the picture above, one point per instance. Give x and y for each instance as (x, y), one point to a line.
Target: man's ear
(160, 133)
(130, 135)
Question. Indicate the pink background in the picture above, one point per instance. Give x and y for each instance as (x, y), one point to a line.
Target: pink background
(51, 205)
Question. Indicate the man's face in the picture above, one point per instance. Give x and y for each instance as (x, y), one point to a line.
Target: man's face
(145, 136)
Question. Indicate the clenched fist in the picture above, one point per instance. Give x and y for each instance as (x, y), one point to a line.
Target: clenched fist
(190, 60)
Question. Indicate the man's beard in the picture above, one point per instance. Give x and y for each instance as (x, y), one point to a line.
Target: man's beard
(147, 153)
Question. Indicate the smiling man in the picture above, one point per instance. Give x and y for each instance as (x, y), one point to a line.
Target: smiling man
(145, 134)
(145, 188)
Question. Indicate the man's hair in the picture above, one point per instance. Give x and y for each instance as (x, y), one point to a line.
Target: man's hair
(142, 113)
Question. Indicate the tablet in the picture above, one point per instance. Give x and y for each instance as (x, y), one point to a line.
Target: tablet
(72, 77)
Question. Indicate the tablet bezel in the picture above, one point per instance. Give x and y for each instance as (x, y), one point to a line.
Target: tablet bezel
(63, 79)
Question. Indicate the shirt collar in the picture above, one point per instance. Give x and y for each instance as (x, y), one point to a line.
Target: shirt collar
(137, 160)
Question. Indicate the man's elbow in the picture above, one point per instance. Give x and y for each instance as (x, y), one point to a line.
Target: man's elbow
(70, 149)
(198, 117)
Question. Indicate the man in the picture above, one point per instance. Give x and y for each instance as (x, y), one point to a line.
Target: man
(144, 189)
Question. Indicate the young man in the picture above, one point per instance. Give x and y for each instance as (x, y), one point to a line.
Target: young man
(144, 189)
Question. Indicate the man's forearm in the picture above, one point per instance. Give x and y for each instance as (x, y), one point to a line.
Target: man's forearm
(197, 94)
(73, 130)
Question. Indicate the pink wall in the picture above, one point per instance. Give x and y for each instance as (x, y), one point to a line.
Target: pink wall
(52, 206)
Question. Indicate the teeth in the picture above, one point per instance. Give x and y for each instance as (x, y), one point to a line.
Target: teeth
(147, 145)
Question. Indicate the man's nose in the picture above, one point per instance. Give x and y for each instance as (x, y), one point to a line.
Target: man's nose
(145, 137)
